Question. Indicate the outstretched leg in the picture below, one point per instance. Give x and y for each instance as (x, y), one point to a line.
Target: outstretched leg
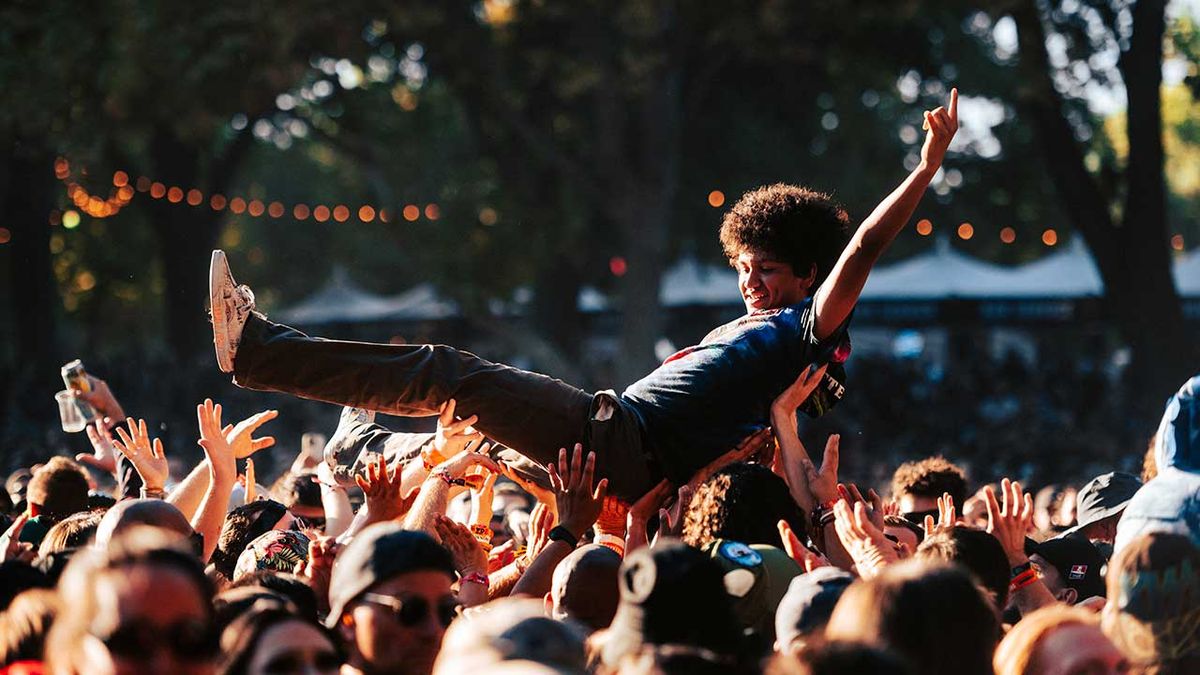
(531, 413)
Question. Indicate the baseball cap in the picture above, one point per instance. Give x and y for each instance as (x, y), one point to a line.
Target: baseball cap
(671, 594)
(279, 550)
(1078, 561)
(1105, 495)
(378, 553)
(809, 602)
(756, 579)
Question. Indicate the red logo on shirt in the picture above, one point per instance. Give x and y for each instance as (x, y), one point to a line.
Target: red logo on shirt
(1078, 571)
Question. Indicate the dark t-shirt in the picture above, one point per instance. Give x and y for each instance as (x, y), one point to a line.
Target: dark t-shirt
(704, 400)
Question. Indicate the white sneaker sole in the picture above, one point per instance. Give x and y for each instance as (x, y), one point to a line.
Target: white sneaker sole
(218, 271)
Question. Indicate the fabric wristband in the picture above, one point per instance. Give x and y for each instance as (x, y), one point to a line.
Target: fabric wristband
(445, 475)
(1020, 569)
(560, 533)
(153, 493)
(611, 542)
(476, 578)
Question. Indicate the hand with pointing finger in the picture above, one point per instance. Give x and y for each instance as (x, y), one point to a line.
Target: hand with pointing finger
(942, 124)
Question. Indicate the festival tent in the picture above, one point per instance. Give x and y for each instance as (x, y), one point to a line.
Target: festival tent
(1068, 273)
(940, 274)
(690, 282)
(340, 300)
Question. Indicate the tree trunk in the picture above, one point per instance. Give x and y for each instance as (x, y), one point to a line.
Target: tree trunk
(28, 195)
(1131, 254)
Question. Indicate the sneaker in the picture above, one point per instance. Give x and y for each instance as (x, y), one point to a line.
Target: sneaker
(231, 306)
(343, 455)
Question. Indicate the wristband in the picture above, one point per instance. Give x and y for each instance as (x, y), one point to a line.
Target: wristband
(560, 533)
(1022, 580)
(481, 532)
(1020, 569)
(445, 475)
(476, 578)
(153, 493)
(611, 542)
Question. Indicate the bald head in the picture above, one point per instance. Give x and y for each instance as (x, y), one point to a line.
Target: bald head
(585, 587)
(131, 512)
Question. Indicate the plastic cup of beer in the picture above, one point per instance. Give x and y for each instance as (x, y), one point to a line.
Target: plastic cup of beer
(68, 412)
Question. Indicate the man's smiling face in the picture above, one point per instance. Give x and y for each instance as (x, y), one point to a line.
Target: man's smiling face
(766, 283)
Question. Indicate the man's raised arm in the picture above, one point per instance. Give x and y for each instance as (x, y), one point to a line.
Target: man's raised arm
(837, 296)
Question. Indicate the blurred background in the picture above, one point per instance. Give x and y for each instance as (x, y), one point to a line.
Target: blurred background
(541, 183)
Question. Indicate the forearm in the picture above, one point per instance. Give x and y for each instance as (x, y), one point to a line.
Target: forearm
(360, 520)
(414, 474)
(538, 578)
(502, 581)
(187, 495)
(792, 450)
(431, 502)
(211, 515)
(838, 295)
(338, 512)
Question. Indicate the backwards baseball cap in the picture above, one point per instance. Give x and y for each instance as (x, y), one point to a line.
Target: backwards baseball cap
(1078, 562)
(377, 554)
(1103, 496)
(809, 602)
(670, 594)
(756, 578)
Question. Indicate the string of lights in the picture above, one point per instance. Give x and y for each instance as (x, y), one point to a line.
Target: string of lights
(124, 189)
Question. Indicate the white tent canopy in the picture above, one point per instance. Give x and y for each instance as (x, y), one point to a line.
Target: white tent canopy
(340, 300)
(939, 274)
(1069, 273)
(1187, 274)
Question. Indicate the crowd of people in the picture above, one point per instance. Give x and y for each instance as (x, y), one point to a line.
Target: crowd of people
(453, 562)
(681, 526)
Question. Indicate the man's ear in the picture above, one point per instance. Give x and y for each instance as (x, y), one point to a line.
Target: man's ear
(810, 280)
(1068, 596)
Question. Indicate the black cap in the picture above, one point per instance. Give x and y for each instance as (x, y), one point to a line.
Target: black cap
(1103, 496)
(1078, 562)
(671, 594)
(377, 554)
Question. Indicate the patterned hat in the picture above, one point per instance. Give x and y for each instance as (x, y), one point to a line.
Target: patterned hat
(279, 550)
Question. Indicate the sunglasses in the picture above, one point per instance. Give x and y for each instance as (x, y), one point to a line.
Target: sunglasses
(918, 517)
(185, 639)
(414, 609)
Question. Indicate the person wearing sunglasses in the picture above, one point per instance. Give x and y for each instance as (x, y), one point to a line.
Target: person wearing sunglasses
(142, 605)
(390, 601)
(917, 485)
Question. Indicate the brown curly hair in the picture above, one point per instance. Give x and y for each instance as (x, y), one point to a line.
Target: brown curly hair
(930, 477)
(792, 224)
(742, 502)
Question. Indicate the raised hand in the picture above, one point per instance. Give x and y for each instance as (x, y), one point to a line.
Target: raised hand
(220, 453)
(942, 124)
(145, 455)
(752, 446)
(1009, 520)
(639, 515)
(870, 550)
(251, 486)
(541, 521)
(947, 516)
(577, 503)
(317, 568)
(459, 464)
(101, 398)
(670, 519)
(481, 499)
(381, 488)
(11, 546)
(453, 435)
(465, 550)
(798, 392)
(240, 436)
(823, 482)
(873, 501)
(807, 559)
(103, 455)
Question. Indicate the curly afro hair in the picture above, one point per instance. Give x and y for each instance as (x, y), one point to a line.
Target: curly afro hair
(742, 502)
(792, 224)
(930, 477)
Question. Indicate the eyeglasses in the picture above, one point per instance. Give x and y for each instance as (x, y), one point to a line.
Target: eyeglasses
(414, 609)
(140, 639)
(918, 517)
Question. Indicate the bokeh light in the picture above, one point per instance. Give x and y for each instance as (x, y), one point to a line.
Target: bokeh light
(275, 209)
(366, 214)
(432, 211)
(1050, 237)
(1008, 235)
(924, 227)
(412, 212)
(300, 212)
(966, 231)
(71, 219)
(618, 266)
(716, 199)
(1177, 242)
(341, 213)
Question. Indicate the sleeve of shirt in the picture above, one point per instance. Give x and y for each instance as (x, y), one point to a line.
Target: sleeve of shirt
(833, 350)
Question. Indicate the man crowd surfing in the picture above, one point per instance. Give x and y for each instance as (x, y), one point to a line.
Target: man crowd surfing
(679, 526)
